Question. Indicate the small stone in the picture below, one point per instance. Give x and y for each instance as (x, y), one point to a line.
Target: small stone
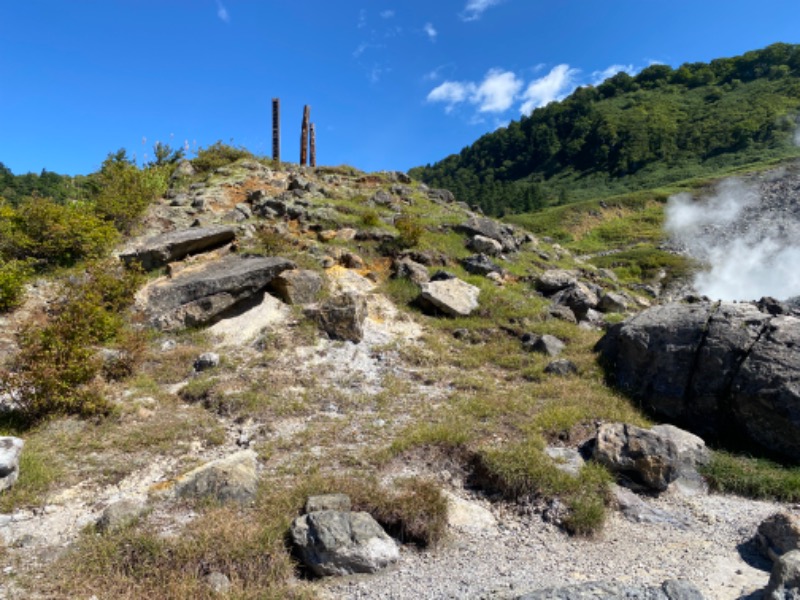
(207, 360)
(562, 367)
(10, 453)
(120, 514)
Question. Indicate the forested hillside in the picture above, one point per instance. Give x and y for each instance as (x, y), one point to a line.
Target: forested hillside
(661, 126)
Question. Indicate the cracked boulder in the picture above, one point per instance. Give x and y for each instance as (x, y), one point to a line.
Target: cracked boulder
(725, 371)
(203, 295)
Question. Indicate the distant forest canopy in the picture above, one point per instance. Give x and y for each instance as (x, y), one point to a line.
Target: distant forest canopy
(661, 126)
(44, 185)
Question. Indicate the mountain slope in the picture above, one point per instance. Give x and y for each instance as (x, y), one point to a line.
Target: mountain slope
(662, 126)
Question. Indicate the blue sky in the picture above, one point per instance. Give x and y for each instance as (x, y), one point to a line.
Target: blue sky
(391, 84)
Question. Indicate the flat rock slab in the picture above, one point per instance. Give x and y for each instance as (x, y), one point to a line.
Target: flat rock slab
(229, 479)
(160, 250)
(453, 297)
(10, 452)
(201, 296)
(669, 590)
(341, 543)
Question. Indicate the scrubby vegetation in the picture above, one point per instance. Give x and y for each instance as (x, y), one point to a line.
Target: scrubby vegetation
(662, 126)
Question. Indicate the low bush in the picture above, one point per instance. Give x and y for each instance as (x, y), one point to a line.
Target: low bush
(57, 366)
(217, 155)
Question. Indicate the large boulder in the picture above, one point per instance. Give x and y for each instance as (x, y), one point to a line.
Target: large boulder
(578, 298)
(160, 250)
(202, 296)
(639, 457)
(341, 317)
(779, 534)
(334, 542)
(491, 229)
(298, 286)
(724, 371)
(453, 296)
(10, 452)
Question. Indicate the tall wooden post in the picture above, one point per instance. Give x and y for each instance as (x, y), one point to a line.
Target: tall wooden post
(276, 130)
(313, 142)
(304, 136)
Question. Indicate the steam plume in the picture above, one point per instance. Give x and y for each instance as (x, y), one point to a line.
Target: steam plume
(748, 238)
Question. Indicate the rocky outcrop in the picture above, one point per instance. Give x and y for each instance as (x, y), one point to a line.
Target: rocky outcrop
(120, 514)
(724, 371)
(230, 479)
(160, 250)
(10, 452)
(453, 296)
(202, 296)
(332, 542)
(669, 590)
(489, 228)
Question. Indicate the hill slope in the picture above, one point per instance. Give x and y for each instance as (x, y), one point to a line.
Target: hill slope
(661, 126)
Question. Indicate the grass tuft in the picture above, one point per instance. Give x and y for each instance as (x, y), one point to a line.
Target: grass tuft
(753, 477)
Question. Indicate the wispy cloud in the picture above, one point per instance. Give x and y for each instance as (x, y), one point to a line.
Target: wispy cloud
(222, 13)
(430, 31)
(387, 14)
(362, 19)
(495, 94)
(475, 8)
(557, 84)
(599, 77)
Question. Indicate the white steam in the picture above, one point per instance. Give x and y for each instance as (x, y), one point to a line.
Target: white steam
(750, 249)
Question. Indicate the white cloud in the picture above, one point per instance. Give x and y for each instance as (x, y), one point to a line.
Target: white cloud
(599, 77)
(360, 50)
(222, 13)
(430, 31)
(557, 84)
(475, 8)
(362, 19)
(387, 14)
(451, 93)
(497, 91)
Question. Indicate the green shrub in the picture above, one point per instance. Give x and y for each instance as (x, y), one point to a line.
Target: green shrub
(56, 368)
(53, 233)
(13, 274)
(370, 218)
(410, 228)
(218, 155)
(123, 191)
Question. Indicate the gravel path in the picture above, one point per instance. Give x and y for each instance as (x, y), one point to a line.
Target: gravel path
(523, 554)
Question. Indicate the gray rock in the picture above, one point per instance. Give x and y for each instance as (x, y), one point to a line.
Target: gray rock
(297, 286)
(453, 297)
(338, 502)
(635, 509)
(120, 514)
(480, 264)
(563, 313)
(160, 250)
(202, 296)
(484, 245)
(491, 229)
(543, 344)
(341, 317)
(229, 479)
(692, 453)
(554, 280)
(184, 169)
(441, 196)
(669, 590)
(722, 370)
(779, 534)
(218, 582)
(784, 581)
(568, 460)
(578, 298)
(406, 268)
(10, 452)
(611, 302)
(207, 360)
(341, 543)
(562, 367)
(640, 458)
